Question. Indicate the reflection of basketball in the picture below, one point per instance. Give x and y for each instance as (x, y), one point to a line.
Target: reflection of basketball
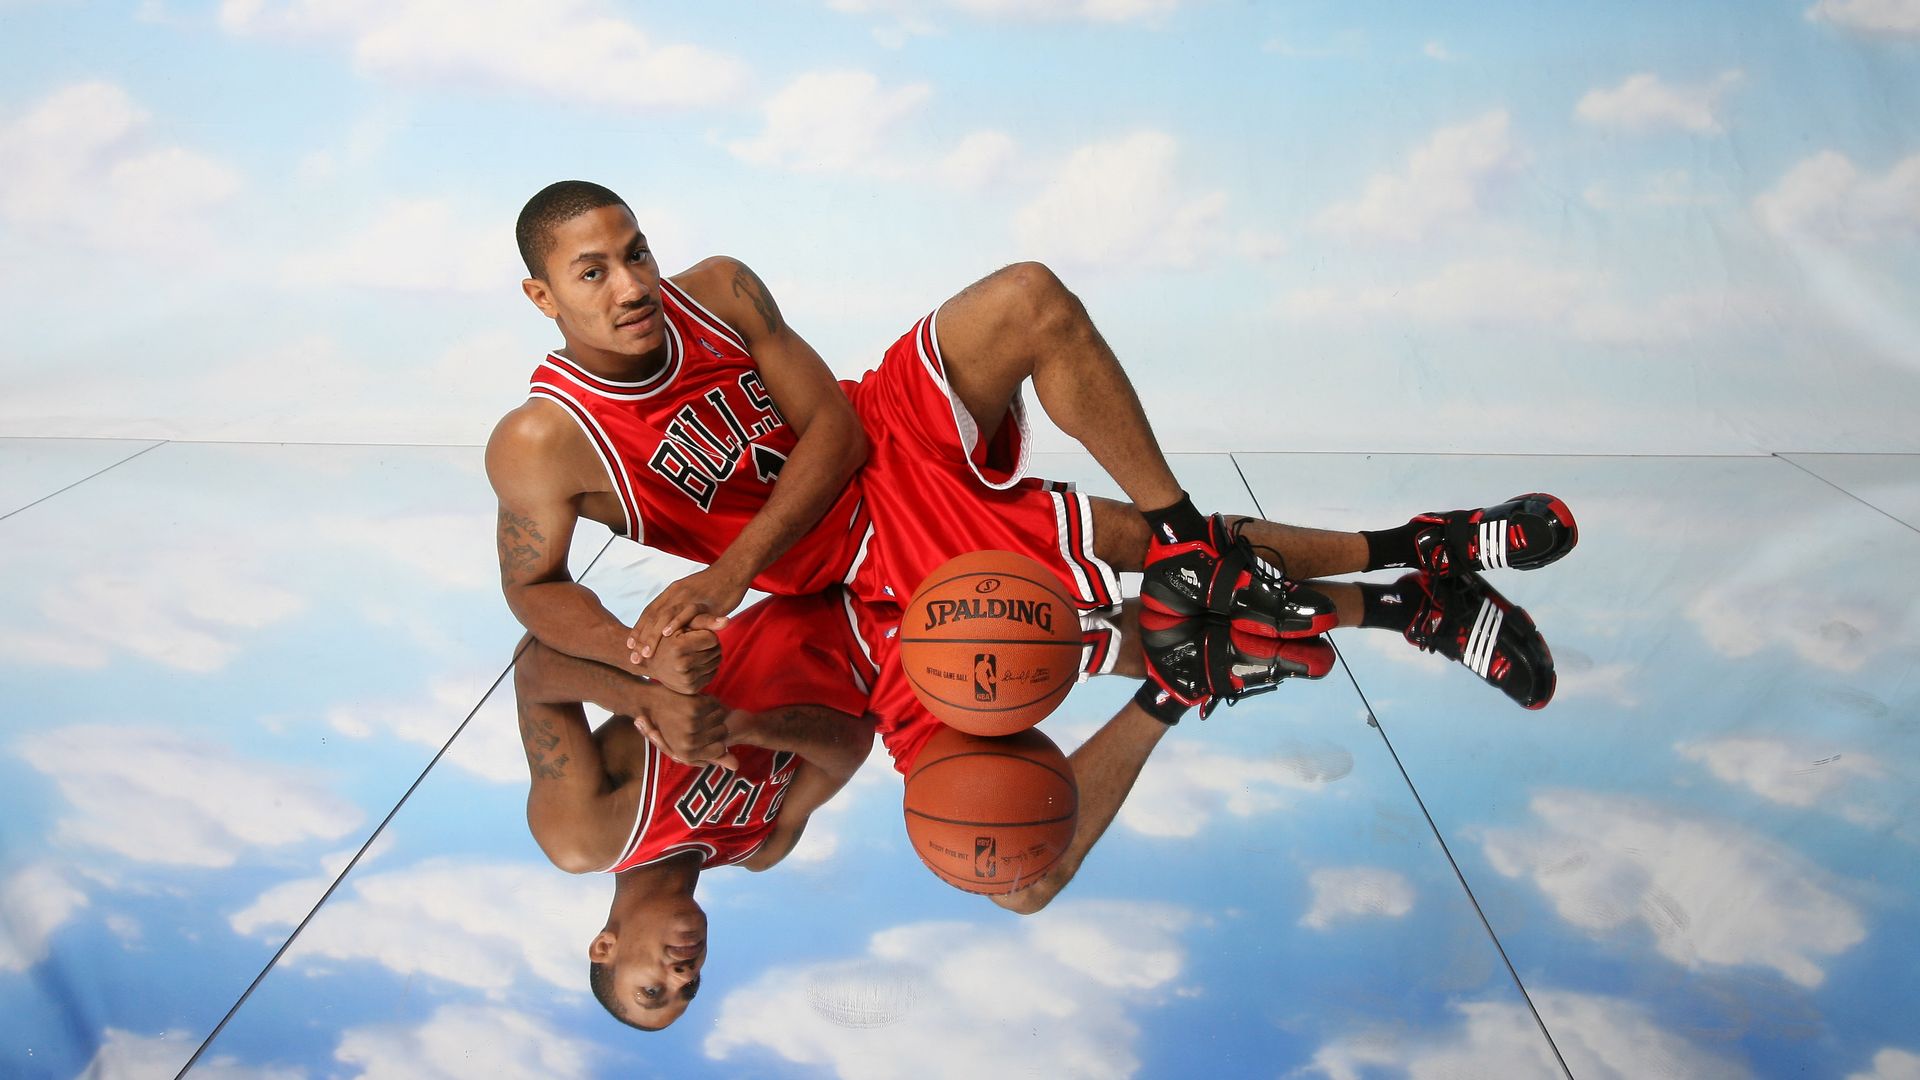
(989, 644)
(989, 815)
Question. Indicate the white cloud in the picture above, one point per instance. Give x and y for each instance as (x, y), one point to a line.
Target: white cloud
(450, 549)
(832, 121)
(1185, 785)
(1827, 197)
(412, 245)
(1084, 969)
(460, 1041)
(187, 612)
(1118, 204)
(290, 901)
(1798, 774)
(1829, 631)
(1602, 1038)
(1892, 1063)
(123, 1053)
(488, 926)
(1646, 103)
(1664, 190)
(34, 903)
(579, 52)
(1437, 50)
(1447, 179)
(1880, 18)
(158, 797)
(489, 747)
(1710, 893)
(1356, 892)
(81, 165)
(979, 160)
(916, 16)
(1518, 294)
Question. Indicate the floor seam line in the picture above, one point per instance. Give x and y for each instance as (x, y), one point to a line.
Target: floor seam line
(84, 479)
(1835, 485)
(1373, 721)
(274, 960)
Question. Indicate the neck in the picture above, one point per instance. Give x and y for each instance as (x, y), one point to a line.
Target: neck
(677, 874)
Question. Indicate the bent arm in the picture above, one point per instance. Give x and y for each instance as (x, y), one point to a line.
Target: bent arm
(536, 520)
(1104, 768)
(831, 746)
(570, 799)
(831, 445)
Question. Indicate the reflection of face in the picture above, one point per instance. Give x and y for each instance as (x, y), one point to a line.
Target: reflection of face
(602, 287)
(656, 957)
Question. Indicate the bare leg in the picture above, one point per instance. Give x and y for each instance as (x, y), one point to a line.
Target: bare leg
(1104, 768)
(1021, 323)
(1120, 538)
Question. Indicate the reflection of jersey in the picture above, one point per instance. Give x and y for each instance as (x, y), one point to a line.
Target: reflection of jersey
(781, 652)
(692, 452)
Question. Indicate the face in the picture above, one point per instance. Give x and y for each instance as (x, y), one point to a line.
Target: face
(656, 955)
(602, 288)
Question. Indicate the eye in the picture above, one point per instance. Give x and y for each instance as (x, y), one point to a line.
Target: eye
(591, 275)
(640, 255)
(651, 993)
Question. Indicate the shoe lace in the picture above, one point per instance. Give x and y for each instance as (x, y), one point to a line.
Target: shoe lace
(1263, 562)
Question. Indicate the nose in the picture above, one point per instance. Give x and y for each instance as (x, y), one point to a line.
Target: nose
(632, 289)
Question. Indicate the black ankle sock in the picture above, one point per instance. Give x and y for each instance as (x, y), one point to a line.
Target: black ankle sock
(1161, 706)
(1179, 523)
(1385, 607)
(1391, 548)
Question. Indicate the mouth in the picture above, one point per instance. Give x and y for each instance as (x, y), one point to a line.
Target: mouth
(640, 321)
(685, 953)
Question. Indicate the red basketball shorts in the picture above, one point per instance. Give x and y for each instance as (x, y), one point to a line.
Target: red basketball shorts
(936, 488)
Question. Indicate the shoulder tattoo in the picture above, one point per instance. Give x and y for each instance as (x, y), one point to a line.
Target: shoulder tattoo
(748, 284)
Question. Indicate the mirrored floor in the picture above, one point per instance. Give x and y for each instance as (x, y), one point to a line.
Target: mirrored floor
(227, 666)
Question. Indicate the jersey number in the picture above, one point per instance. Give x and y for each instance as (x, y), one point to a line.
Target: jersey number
(696, 458)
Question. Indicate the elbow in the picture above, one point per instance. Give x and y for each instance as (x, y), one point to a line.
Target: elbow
(1028, 899)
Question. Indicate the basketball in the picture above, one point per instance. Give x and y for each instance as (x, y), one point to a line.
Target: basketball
(989, 643)
(988, 815)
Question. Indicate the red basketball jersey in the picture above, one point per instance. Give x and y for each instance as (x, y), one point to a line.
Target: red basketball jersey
(722, 813)
(692, 452)
(782, 651)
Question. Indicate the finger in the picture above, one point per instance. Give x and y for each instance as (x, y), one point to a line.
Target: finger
(705, 621)
(680, 618)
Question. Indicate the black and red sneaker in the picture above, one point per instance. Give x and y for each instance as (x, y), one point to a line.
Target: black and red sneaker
(1221, 577)
(1525, 533)
(1201, 662)
(1462, 618)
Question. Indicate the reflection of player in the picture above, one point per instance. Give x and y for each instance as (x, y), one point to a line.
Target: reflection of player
(610, 800)
(678, 402)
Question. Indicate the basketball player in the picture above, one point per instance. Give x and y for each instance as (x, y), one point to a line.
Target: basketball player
(677, 403)
(608, 800)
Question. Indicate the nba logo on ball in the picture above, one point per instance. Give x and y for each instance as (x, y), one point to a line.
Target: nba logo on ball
(984, 863)
(990, 643)
(986, 681)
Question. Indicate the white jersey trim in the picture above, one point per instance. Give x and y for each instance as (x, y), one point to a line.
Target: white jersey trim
(633, 391)
(926, 340)
(650, 777)
(615, 467)
(696, 310)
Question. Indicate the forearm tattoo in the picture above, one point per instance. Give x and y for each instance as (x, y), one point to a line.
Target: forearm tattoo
(539, 738)
(521, 545)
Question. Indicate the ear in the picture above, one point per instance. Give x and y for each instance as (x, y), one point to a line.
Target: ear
(542, 296)
(600, 949)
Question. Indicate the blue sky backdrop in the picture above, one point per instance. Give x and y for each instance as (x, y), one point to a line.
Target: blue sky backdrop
(1377, 226)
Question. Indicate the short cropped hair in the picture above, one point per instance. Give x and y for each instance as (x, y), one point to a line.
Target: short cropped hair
(600, 981)
(555, 205)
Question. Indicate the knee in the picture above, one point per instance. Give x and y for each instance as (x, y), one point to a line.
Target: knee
(1033, 297)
